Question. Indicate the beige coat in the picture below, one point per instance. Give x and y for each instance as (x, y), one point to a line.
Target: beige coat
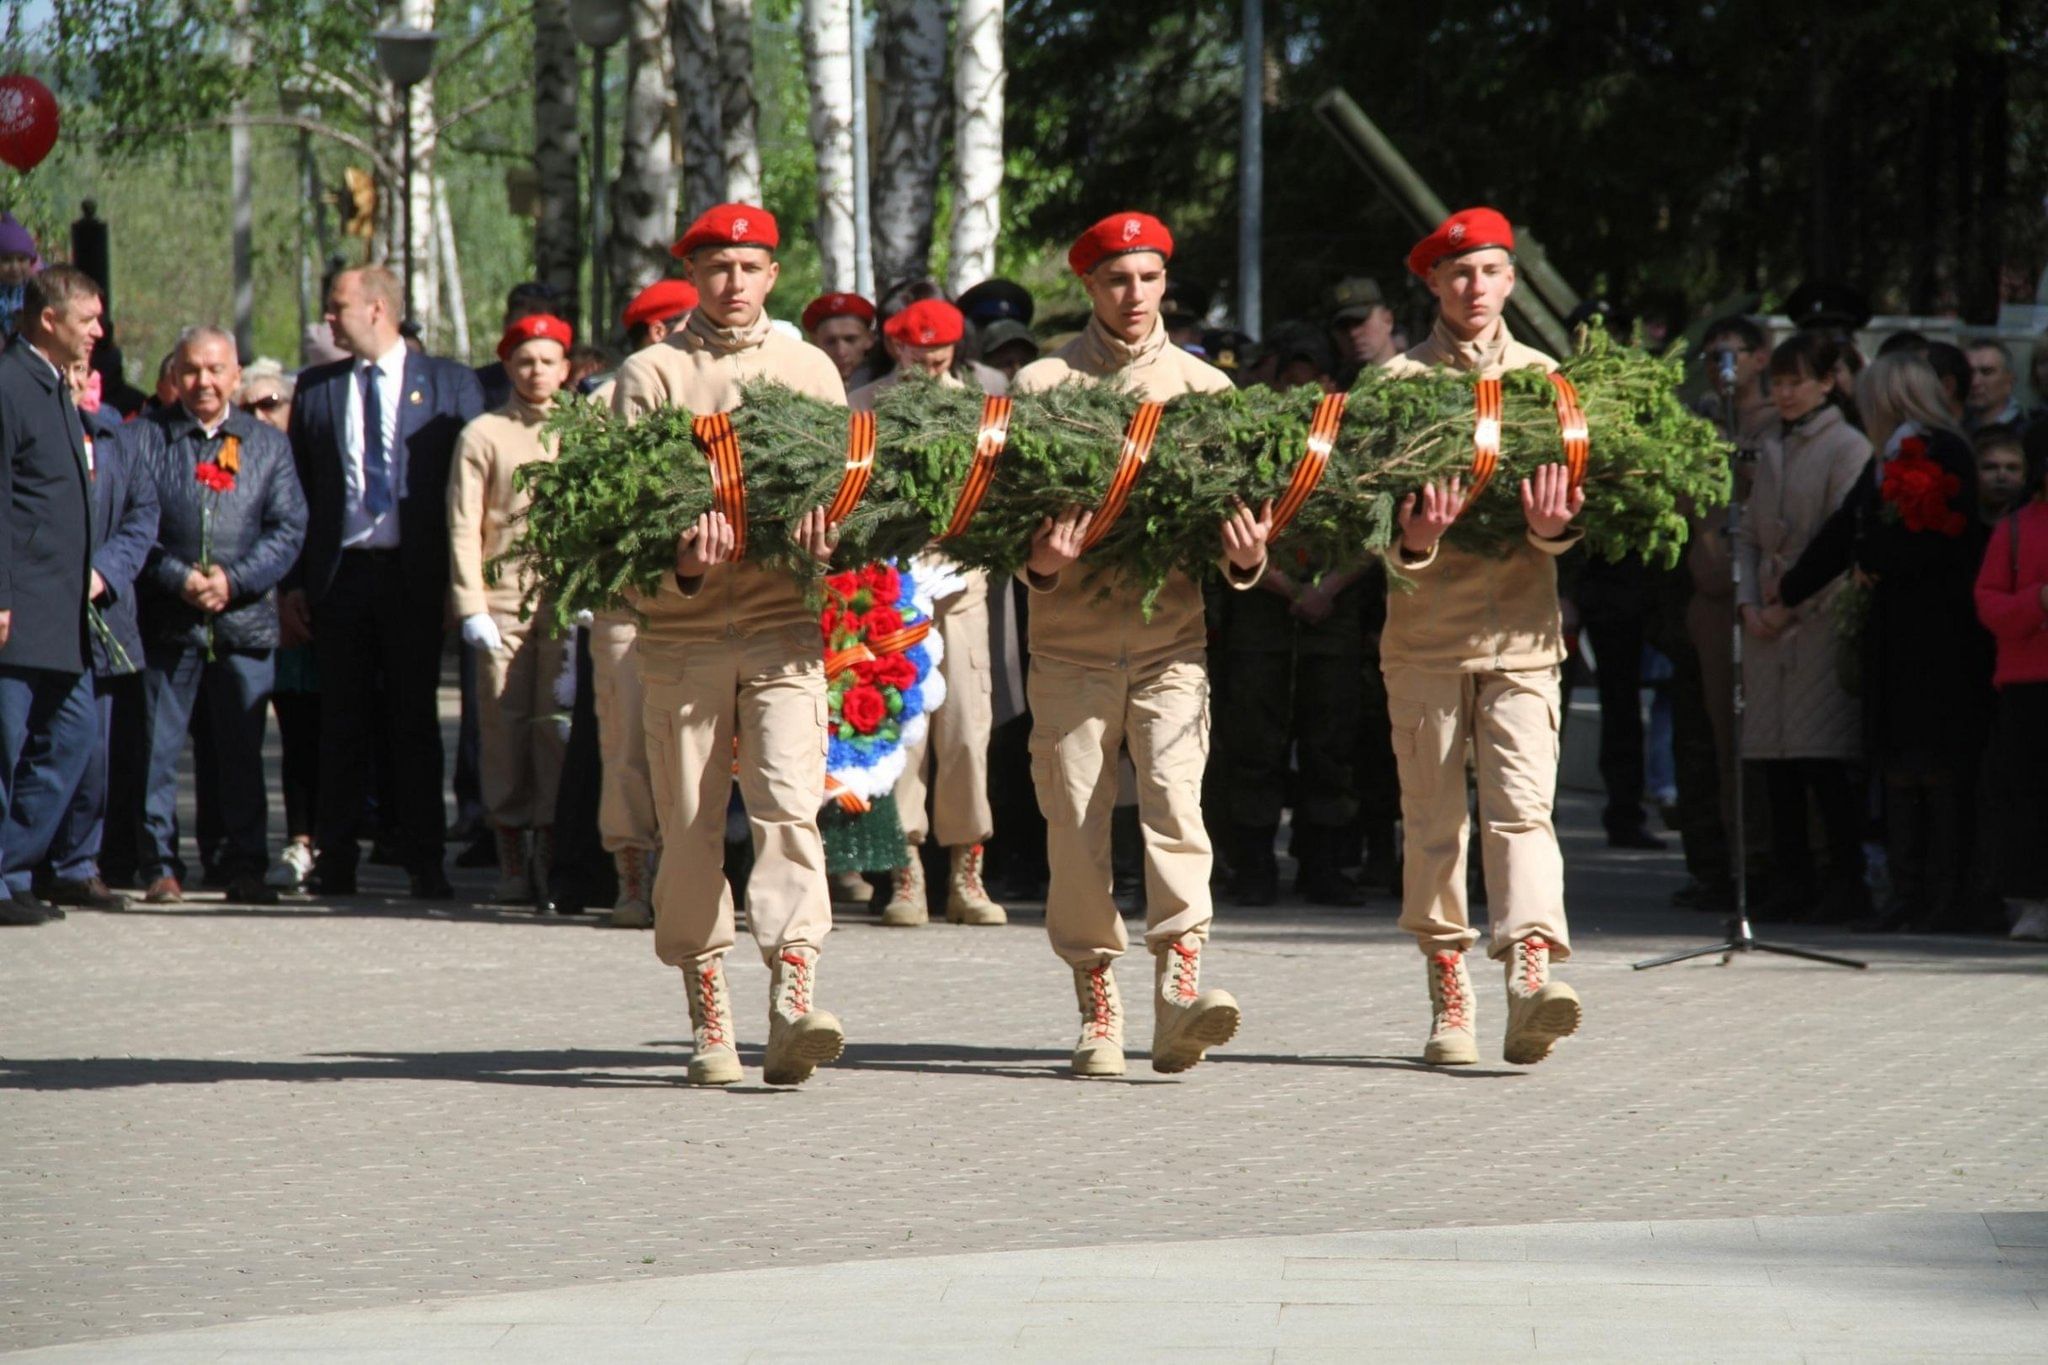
(1794, 704)
(1072, 619)
(486, 507)
(1475, 613)
(701, 368)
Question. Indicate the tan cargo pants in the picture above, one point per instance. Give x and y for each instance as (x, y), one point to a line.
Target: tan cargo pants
(1511, 722)
(770, 690)
(625, 806)
(955, 744)
(519, 739)
(1080, 718)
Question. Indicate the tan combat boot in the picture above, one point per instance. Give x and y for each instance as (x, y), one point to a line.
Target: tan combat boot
(1540, 1011)
(1186, 1020)
(514, 886)
(716, 1061)
(850, 888)
(1101, 1049)
(906, 893)
(632, 910)
(800, 1038)
(1453, 1040)
(967, 900)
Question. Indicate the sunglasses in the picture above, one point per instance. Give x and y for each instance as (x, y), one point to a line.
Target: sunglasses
(270, 402)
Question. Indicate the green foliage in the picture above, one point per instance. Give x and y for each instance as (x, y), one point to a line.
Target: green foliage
(606, 514)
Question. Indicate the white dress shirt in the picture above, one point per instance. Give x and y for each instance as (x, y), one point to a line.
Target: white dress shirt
(360, 530)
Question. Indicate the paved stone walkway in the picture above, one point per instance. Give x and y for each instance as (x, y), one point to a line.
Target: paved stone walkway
(212, 1115)
(1866, 1287)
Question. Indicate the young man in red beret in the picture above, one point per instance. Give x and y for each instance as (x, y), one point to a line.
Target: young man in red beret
(1472, 654)
(731, 649)
(1105, 676)
(625, 805)
(843, 327)
(520, 748)
(923, 339)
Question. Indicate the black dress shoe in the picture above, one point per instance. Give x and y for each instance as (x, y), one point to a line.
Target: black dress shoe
(24, 911)
(325, 884)
(1637, 838)
(87, 893)
(250, 890)
(431, 885)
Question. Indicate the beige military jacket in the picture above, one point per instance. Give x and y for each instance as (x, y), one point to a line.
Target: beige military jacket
(486, 507)
(1475, 613)
(1073, 619)
(701, 368)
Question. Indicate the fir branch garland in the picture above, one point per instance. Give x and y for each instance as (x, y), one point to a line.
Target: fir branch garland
(606, 513)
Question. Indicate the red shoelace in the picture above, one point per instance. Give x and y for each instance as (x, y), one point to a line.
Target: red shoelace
(1535, 956)
(1453, 994)
(1101, 1025)
(799, 984)
(714, 1017)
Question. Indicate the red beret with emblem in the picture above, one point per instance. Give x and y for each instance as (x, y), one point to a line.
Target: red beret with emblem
(1119, 235)
(539, 327)
(660, 301)
(826, 307)
(1465, 231)
(928, 322)
(730, 225)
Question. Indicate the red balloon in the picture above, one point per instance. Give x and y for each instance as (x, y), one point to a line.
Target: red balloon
(28, 121)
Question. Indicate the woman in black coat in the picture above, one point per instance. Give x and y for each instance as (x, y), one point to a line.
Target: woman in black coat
(1910, 533)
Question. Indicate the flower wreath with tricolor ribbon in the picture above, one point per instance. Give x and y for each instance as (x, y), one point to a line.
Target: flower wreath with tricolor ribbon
(881, 671)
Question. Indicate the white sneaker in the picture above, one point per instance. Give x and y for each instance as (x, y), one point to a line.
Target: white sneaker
(291, 869)
(2032, 925)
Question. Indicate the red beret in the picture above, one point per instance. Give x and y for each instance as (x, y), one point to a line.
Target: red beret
(826, 307)
(539, 327)
(928, 322)
(660, 301)
(1118, 235)
(1464, 231)
(730, 225)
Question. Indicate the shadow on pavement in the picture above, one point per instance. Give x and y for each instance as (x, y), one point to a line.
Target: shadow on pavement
(573, 1067)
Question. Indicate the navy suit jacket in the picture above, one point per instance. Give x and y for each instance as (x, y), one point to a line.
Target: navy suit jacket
(46, 547)
(124, 513)
(439, 398)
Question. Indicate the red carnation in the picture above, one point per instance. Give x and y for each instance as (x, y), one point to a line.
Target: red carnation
(1917, 490)
(884, 582)
(842, 586)
(880, 622)
(897, 671)
(212, 476)
(828, 621)
(864, 709)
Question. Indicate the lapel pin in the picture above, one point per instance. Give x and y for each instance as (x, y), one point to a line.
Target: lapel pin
(416, 397)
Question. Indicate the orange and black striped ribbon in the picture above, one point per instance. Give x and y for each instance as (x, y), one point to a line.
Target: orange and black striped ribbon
(841, 660)
(1308, 471)
(721, 446)
(860, 466)
(849, 801)
(1138, 438)
(1485, 436)
(899, 641)
(988, 448)
(1571, 426)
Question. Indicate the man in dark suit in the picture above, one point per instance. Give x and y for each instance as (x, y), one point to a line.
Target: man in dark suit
(372, 437)
(46, 577)
(124, 518)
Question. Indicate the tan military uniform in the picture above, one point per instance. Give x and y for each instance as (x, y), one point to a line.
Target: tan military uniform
(520, 743)
(1103, 678)
(1471, 655)
(737, 654)
(953, 752)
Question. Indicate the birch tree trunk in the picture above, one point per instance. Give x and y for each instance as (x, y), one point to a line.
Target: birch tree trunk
(907, 166)
(418, 110)
(828, 69)
(643, 197)
(738, 112)
(557, 152)
(450, 258)
(695, 37)
(978, 78)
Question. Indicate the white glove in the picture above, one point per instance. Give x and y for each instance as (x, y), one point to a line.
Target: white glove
(565, 681)
(481, 632)
(585, 618)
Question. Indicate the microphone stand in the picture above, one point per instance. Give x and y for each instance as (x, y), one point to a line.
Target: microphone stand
(1737, 937)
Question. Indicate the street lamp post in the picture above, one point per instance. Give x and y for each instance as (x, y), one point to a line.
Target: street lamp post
(598, 24)
(406, 55)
